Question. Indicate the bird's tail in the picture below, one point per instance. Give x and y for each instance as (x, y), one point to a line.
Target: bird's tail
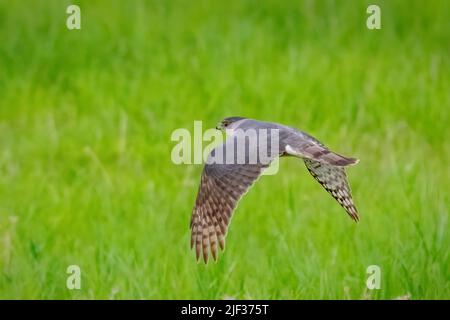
(336, 159)
(321, 154)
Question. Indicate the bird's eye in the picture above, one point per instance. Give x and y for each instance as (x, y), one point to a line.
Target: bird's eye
(225, 124)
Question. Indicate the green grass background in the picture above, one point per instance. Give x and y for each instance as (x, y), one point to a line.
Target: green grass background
(86, 118)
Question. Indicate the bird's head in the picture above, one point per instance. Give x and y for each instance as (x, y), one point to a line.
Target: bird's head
(227, 123)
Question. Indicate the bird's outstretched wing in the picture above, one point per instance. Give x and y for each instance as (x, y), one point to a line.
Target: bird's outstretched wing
(326, 166)
(334, 180)
(222, 185)
(221, 188)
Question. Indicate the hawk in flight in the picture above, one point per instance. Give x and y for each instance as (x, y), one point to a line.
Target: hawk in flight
(223, 183)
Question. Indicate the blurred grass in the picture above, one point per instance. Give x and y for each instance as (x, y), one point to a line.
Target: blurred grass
(85, 170)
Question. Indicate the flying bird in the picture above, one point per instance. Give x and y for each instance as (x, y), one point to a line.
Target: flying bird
(223, 183)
